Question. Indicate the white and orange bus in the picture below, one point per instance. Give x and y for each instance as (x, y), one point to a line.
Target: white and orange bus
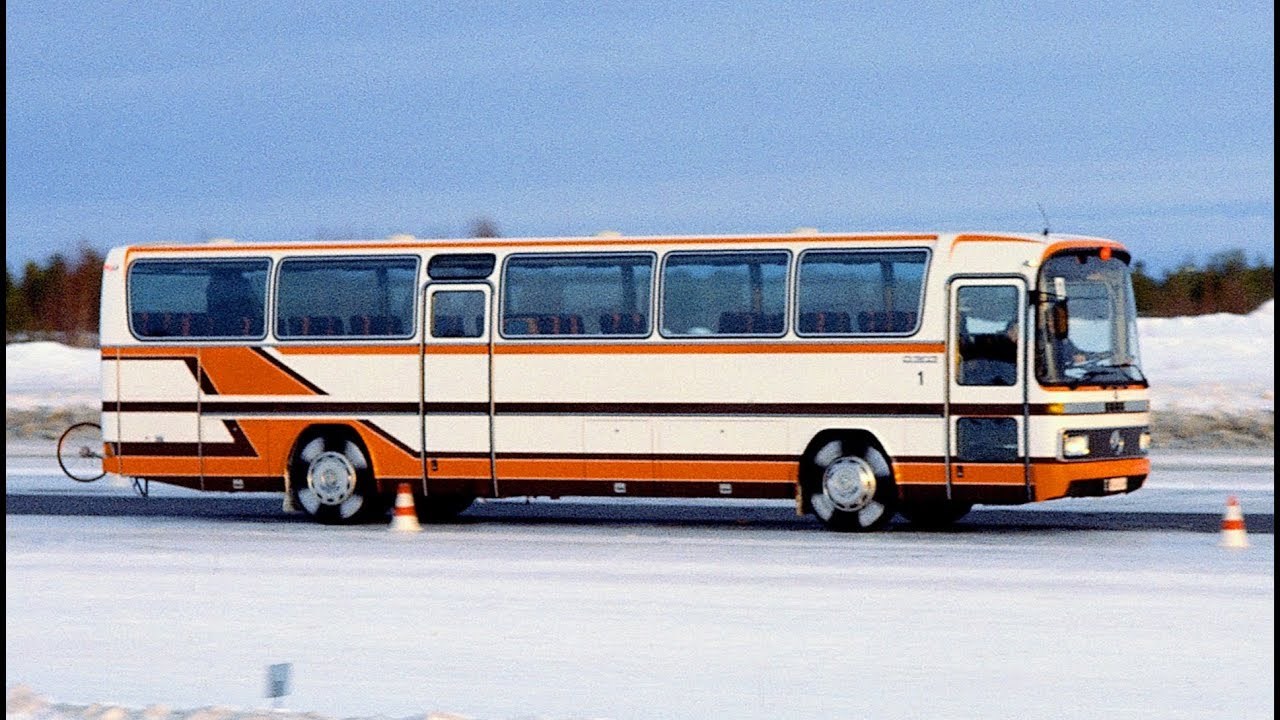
(861, 375)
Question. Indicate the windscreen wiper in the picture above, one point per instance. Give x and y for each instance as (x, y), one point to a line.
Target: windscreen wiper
(1108, 375)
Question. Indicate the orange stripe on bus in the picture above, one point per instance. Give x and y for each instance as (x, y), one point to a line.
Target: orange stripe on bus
(637, 348)
(242, 371)
(920, 473)
(1081, 245)
(721, 348)
(459, 468)
(1053, 480)
(348, 349)
(110, 352)
(588, 469)
(987, 474)
(764, 471)
(148, 465)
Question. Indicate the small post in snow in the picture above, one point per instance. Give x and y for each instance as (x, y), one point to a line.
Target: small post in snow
(278, 677)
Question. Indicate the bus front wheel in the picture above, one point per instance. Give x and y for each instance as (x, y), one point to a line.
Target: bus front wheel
(333, 479)
(852, 488)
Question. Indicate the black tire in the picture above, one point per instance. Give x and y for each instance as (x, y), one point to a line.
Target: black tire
(333, 480)
(850, 486)
(80, 452)
(934, 514)
(442, 508)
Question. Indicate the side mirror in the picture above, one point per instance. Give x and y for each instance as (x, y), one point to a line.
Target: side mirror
(1058, 320)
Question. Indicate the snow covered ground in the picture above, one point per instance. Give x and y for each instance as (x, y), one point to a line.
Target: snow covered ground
(1211, 363)
(514, 620)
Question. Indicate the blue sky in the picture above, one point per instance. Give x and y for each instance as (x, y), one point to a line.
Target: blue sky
(138, 122)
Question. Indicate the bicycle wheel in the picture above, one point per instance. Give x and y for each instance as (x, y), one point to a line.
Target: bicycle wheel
(80, 452)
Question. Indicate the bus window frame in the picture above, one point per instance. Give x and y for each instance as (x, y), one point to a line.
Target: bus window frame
(268, 295)
(787, 295)
(500, 323)
(274, 307)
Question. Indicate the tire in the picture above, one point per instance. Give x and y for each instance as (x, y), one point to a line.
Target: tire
(80, 452)
(334, 481)
(442, 508)
(934, 514)
(851, 486)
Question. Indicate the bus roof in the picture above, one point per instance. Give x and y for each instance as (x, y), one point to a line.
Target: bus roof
(615, 240)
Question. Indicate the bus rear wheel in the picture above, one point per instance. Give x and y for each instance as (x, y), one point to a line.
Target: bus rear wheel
(334, 480)
(934, 513)
(852, 488)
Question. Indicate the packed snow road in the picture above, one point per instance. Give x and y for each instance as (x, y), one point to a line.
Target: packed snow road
(1119, 606)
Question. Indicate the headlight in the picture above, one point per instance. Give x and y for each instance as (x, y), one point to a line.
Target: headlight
(1144, 440)
(1075, 445)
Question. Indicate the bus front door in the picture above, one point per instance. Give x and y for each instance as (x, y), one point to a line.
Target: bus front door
(457, 417)
(986, 408)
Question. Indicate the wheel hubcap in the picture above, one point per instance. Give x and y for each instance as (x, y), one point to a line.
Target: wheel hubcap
(849, 483)
(332, 478)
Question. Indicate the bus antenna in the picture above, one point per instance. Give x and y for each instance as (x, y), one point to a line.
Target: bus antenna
(1044, 215)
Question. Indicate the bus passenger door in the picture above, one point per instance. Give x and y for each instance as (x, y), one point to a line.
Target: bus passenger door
(457, 411)
(986, 408)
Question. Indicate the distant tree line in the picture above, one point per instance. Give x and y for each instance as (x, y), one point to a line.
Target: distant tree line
(1226, 284)
(59, 298)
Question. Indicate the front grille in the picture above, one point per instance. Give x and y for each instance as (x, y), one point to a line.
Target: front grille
(1116, 442)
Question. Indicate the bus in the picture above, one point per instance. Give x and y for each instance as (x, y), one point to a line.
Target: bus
(860, 375)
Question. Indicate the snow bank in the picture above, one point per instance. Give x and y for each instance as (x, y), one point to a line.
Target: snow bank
(1211, 364)
(50, 375)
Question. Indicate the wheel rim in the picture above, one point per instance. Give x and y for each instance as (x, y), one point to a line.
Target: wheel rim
(333, 480)
(849, 484)
(845, 495)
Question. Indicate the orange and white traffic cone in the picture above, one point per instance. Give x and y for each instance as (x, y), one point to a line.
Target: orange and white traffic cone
(1233, 535)
(405, 518)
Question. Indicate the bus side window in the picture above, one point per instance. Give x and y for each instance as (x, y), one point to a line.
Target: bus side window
(578, 295)
(724, 293)
(860, 292)
(198, 298)
(451, 310)
(356, 297)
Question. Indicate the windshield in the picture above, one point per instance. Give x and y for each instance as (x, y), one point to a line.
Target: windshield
(1086, 322)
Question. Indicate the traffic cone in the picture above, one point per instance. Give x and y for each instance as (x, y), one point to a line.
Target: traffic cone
(405, 518)
(1233, 535)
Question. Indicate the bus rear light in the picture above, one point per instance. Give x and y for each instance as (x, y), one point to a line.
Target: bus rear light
(1075, 445)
